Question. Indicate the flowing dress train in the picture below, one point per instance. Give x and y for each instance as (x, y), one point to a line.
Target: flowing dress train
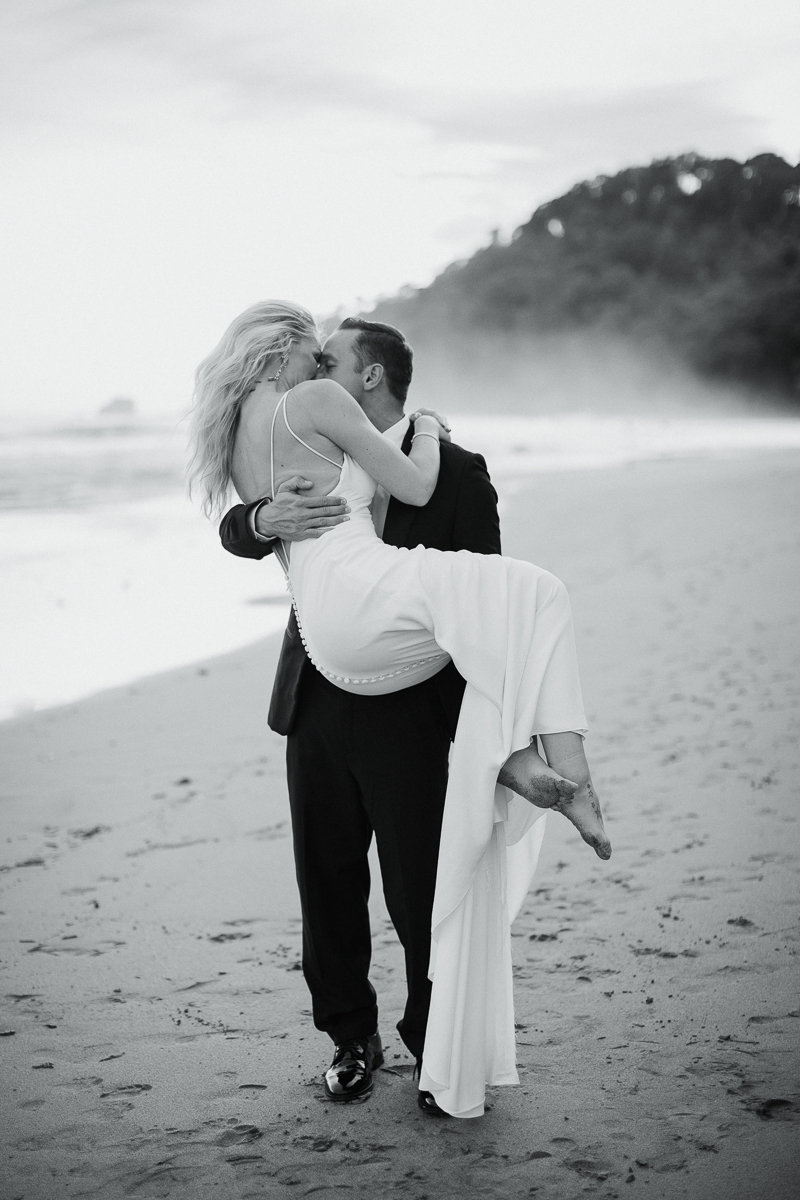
(375, 618)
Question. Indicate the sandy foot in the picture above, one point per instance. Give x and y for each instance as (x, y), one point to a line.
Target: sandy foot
(583, 810)
(527, 774)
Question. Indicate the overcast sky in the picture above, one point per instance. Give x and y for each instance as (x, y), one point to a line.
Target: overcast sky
(167, 162)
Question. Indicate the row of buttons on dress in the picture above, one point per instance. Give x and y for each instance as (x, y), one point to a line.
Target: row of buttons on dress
(359, 682)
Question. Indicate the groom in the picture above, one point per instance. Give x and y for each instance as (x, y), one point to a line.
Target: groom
(359, 765)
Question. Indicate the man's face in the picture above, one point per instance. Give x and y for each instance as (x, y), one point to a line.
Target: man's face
(338, 362)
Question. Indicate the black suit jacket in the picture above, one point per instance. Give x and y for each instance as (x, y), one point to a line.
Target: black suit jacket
(460, 515)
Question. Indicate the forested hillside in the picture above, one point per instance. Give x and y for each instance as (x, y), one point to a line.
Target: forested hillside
(697, 255)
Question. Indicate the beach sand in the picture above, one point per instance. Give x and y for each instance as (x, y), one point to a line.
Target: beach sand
(157, 1038)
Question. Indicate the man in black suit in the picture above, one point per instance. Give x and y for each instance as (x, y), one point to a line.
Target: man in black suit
(359, 765)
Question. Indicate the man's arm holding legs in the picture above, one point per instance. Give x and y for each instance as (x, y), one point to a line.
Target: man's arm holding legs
(476, 525)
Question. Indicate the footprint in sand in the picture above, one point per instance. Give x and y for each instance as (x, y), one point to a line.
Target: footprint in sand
(128, 1089)
(767, 1110)
(239, 1135)
(589, 1168)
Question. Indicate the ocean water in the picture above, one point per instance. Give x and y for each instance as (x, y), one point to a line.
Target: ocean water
(109, 574)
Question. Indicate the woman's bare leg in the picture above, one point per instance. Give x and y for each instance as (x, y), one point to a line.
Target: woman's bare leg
(565, 753)
(563, 783)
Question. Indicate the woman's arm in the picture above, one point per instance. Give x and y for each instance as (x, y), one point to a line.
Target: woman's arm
(334, 413)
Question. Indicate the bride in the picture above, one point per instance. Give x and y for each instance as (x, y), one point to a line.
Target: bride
(375, 618)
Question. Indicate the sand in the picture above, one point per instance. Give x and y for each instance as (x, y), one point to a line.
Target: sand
(157, 1039)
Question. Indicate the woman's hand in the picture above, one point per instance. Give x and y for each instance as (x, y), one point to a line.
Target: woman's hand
(444, 431)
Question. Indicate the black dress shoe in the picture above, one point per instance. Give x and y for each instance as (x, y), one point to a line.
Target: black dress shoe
(350, 1073)
(426, 1100)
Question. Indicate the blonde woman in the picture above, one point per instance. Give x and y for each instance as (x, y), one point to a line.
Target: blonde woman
(375, 618)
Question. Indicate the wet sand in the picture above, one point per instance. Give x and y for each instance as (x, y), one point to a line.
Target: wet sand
(157, 1039)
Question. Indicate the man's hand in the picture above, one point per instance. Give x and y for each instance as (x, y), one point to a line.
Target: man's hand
(294, 517)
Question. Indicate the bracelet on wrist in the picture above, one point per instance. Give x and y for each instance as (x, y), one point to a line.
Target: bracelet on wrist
(254, 516)
(423, 434)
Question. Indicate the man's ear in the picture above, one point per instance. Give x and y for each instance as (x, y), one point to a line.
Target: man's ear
(371, 376)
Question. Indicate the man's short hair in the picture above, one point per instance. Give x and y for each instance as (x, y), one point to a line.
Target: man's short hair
(379, 343)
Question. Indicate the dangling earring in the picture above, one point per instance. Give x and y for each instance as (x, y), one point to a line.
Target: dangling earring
(284, 360)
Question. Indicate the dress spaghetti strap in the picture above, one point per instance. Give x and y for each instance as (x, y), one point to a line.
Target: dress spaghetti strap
(272, 453)
(297, 438)
(282, 550)
(282, 405)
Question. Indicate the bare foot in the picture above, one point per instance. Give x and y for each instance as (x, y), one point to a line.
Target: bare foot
(527, 774)
(583, 809)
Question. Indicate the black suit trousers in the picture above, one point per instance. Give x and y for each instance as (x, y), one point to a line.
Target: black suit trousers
(358, 765)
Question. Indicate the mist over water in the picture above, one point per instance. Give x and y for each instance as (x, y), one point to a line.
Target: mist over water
(582, 372)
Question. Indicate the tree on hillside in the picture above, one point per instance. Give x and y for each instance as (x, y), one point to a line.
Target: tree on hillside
(699, 254)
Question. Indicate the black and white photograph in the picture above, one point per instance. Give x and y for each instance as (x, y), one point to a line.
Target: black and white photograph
(400, 547)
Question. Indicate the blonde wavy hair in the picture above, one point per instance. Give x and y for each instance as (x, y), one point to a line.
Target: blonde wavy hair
(263, 332)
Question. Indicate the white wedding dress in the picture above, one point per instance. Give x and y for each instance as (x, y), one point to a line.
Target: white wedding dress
(375, 618)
